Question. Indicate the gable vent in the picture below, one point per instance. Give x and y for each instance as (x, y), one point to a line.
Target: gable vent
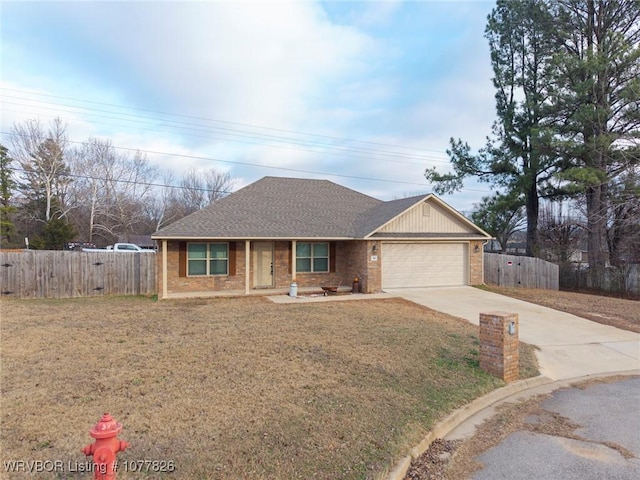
(426, 209)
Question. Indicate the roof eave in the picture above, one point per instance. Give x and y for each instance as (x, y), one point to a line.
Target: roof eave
(429, 239)
(253, 238)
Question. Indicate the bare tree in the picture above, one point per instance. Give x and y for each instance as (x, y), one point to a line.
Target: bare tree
(43, 171)
(218, 184)
(129, 186)
(623, 226)
(162, 208)
(199, 189)
(89, 164)
(112, 192)
(559, 234)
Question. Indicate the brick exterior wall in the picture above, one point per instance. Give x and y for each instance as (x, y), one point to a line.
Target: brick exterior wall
(357, 262)
(374, 267)
(351, 259)
(281, 265)
(476, 263)
(499, 350)
(176, 283)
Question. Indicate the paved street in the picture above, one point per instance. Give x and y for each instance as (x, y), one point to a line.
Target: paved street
(608, 448)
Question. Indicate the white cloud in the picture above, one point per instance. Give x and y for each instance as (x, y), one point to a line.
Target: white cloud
(286, 65)
(254, 63)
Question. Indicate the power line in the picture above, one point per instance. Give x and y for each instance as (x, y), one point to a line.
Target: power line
(134, 182)
(248, 164)
(263, 137)
(223, 121)
(201, 127)
(240, 133)
(211, 159)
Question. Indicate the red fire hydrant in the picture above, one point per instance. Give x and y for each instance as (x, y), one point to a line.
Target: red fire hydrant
(105, 447)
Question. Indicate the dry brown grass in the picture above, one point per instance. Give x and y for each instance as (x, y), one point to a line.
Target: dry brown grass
(618, 312)
(233, 388)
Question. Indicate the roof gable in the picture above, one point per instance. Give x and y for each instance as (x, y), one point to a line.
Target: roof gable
(380, 214)
(428, 216)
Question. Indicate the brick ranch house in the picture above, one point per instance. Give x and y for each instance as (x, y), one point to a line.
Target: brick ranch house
(277, 230)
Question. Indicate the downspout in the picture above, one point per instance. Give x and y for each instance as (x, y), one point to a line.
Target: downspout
(247, 267)
(164, 269)
(294, 245)
(484, 243)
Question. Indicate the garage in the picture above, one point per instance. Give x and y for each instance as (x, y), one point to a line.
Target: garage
(407, 265)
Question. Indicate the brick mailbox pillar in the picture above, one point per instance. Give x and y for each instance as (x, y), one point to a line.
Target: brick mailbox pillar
(499, 353)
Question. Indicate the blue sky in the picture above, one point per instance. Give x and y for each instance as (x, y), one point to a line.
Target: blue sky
(366, 94)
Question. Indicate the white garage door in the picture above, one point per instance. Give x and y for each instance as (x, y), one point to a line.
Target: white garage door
(424, 264)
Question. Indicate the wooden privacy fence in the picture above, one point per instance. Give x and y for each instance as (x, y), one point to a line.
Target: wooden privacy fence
(64, 274)
(624, 280)
(516, 271)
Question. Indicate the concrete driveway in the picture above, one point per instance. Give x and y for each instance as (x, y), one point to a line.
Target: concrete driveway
(568, 346)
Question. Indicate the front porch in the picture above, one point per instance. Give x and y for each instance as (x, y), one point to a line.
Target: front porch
(260, 267)
(264, 292)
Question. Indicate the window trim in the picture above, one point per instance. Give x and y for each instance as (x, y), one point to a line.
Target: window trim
(208, 259)
(313, 257)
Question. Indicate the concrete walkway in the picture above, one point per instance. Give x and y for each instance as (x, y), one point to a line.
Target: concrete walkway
(568, 346)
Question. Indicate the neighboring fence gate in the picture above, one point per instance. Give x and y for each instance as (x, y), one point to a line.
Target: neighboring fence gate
(64, 274)
(517, 271)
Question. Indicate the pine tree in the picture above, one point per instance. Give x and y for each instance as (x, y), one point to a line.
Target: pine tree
(7, 210)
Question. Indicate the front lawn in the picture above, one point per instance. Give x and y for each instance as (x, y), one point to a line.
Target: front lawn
(233, 388)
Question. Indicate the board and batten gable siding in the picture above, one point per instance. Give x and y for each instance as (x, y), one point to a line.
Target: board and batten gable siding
(429, 217)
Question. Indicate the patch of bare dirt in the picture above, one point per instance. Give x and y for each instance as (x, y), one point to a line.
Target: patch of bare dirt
(617, 312)
(432, 464)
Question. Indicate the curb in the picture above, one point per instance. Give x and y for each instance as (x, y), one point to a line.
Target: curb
(442, 428)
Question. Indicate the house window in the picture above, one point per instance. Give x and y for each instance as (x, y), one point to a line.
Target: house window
(312, 257)
(207, 259)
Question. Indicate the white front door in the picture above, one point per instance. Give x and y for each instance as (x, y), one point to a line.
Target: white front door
(263, 264)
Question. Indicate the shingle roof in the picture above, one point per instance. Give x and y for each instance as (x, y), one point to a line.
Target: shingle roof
(296, 208)
(275, 207)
